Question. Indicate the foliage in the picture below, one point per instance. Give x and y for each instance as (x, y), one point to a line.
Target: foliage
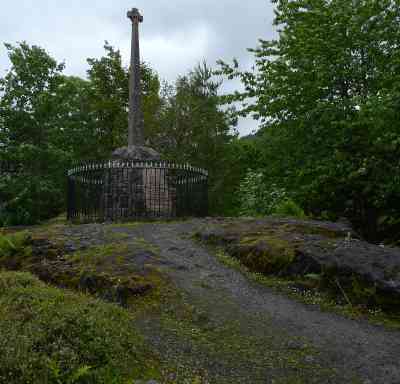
(327, 94)
(32, 194)
(15, 244)
(288, 207)
(194, 128)
(51, 336)
(108, 99)
(253, 197)
(240, 155)
(257, 197)
(33, 116)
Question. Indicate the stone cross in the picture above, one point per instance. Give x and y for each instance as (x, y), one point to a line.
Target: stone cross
(136, 124)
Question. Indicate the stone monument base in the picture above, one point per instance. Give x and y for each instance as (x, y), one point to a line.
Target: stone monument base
(142, 191)
(136, 152)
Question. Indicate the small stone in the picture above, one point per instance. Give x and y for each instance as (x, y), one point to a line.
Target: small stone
(294, 344)
(70, 248)
(172, 377)
(309, 359)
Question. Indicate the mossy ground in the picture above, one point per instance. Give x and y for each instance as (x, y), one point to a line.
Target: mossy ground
(168, 335)
(89, 340)
(48, 335)
(194, 348)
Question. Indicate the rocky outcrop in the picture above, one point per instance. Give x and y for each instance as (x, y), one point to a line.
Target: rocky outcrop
(301, 248)
(54, 263)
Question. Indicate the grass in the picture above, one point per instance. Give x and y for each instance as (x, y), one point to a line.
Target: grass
(98, 256)
(48, 335)
(14, 244)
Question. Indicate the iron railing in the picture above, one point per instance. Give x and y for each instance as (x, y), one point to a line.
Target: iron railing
(117, 190)
(8, 167)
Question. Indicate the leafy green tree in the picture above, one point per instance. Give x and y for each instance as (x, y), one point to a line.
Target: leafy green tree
(240, 156)
(108, 100)
(32, 121)
(194, 128)
(327, 94)
(152, 101)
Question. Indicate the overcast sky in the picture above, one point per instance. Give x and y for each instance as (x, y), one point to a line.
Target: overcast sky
(175, 35)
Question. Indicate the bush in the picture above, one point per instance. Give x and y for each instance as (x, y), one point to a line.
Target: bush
(288, 207)
(51, 336)
(27, 199)
(14, 244)
(259, 198)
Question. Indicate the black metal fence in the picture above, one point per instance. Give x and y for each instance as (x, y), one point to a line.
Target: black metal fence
(8, 167)
(118, 190)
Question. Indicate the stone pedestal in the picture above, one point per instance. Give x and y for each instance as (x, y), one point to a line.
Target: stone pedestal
(136, 153)
(136, 187)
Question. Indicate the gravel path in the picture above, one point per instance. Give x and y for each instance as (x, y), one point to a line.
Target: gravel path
(331, 348)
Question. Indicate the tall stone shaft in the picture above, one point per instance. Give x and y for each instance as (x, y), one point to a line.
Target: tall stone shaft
(136, 124)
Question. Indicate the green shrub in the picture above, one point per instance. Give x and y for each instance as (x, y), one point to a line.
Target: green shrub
(51, 336)
(257, 197)
(288, 207)
(14, 216)
(17, 243)
(28, 199)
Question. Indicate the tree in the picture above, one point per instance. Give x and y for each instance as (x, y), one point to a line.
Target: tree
(32, 121)
(108, 100)
(327, 95)
(195, 129)
(152, 101)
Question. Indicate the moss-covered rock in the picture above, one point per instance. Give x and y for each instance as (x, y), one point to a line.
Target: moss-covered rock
(265, 253)
(360, 272)
(101, 270)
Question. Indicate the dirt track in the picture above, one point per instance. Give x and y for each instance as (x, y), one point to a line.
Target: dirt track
(243, 332)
